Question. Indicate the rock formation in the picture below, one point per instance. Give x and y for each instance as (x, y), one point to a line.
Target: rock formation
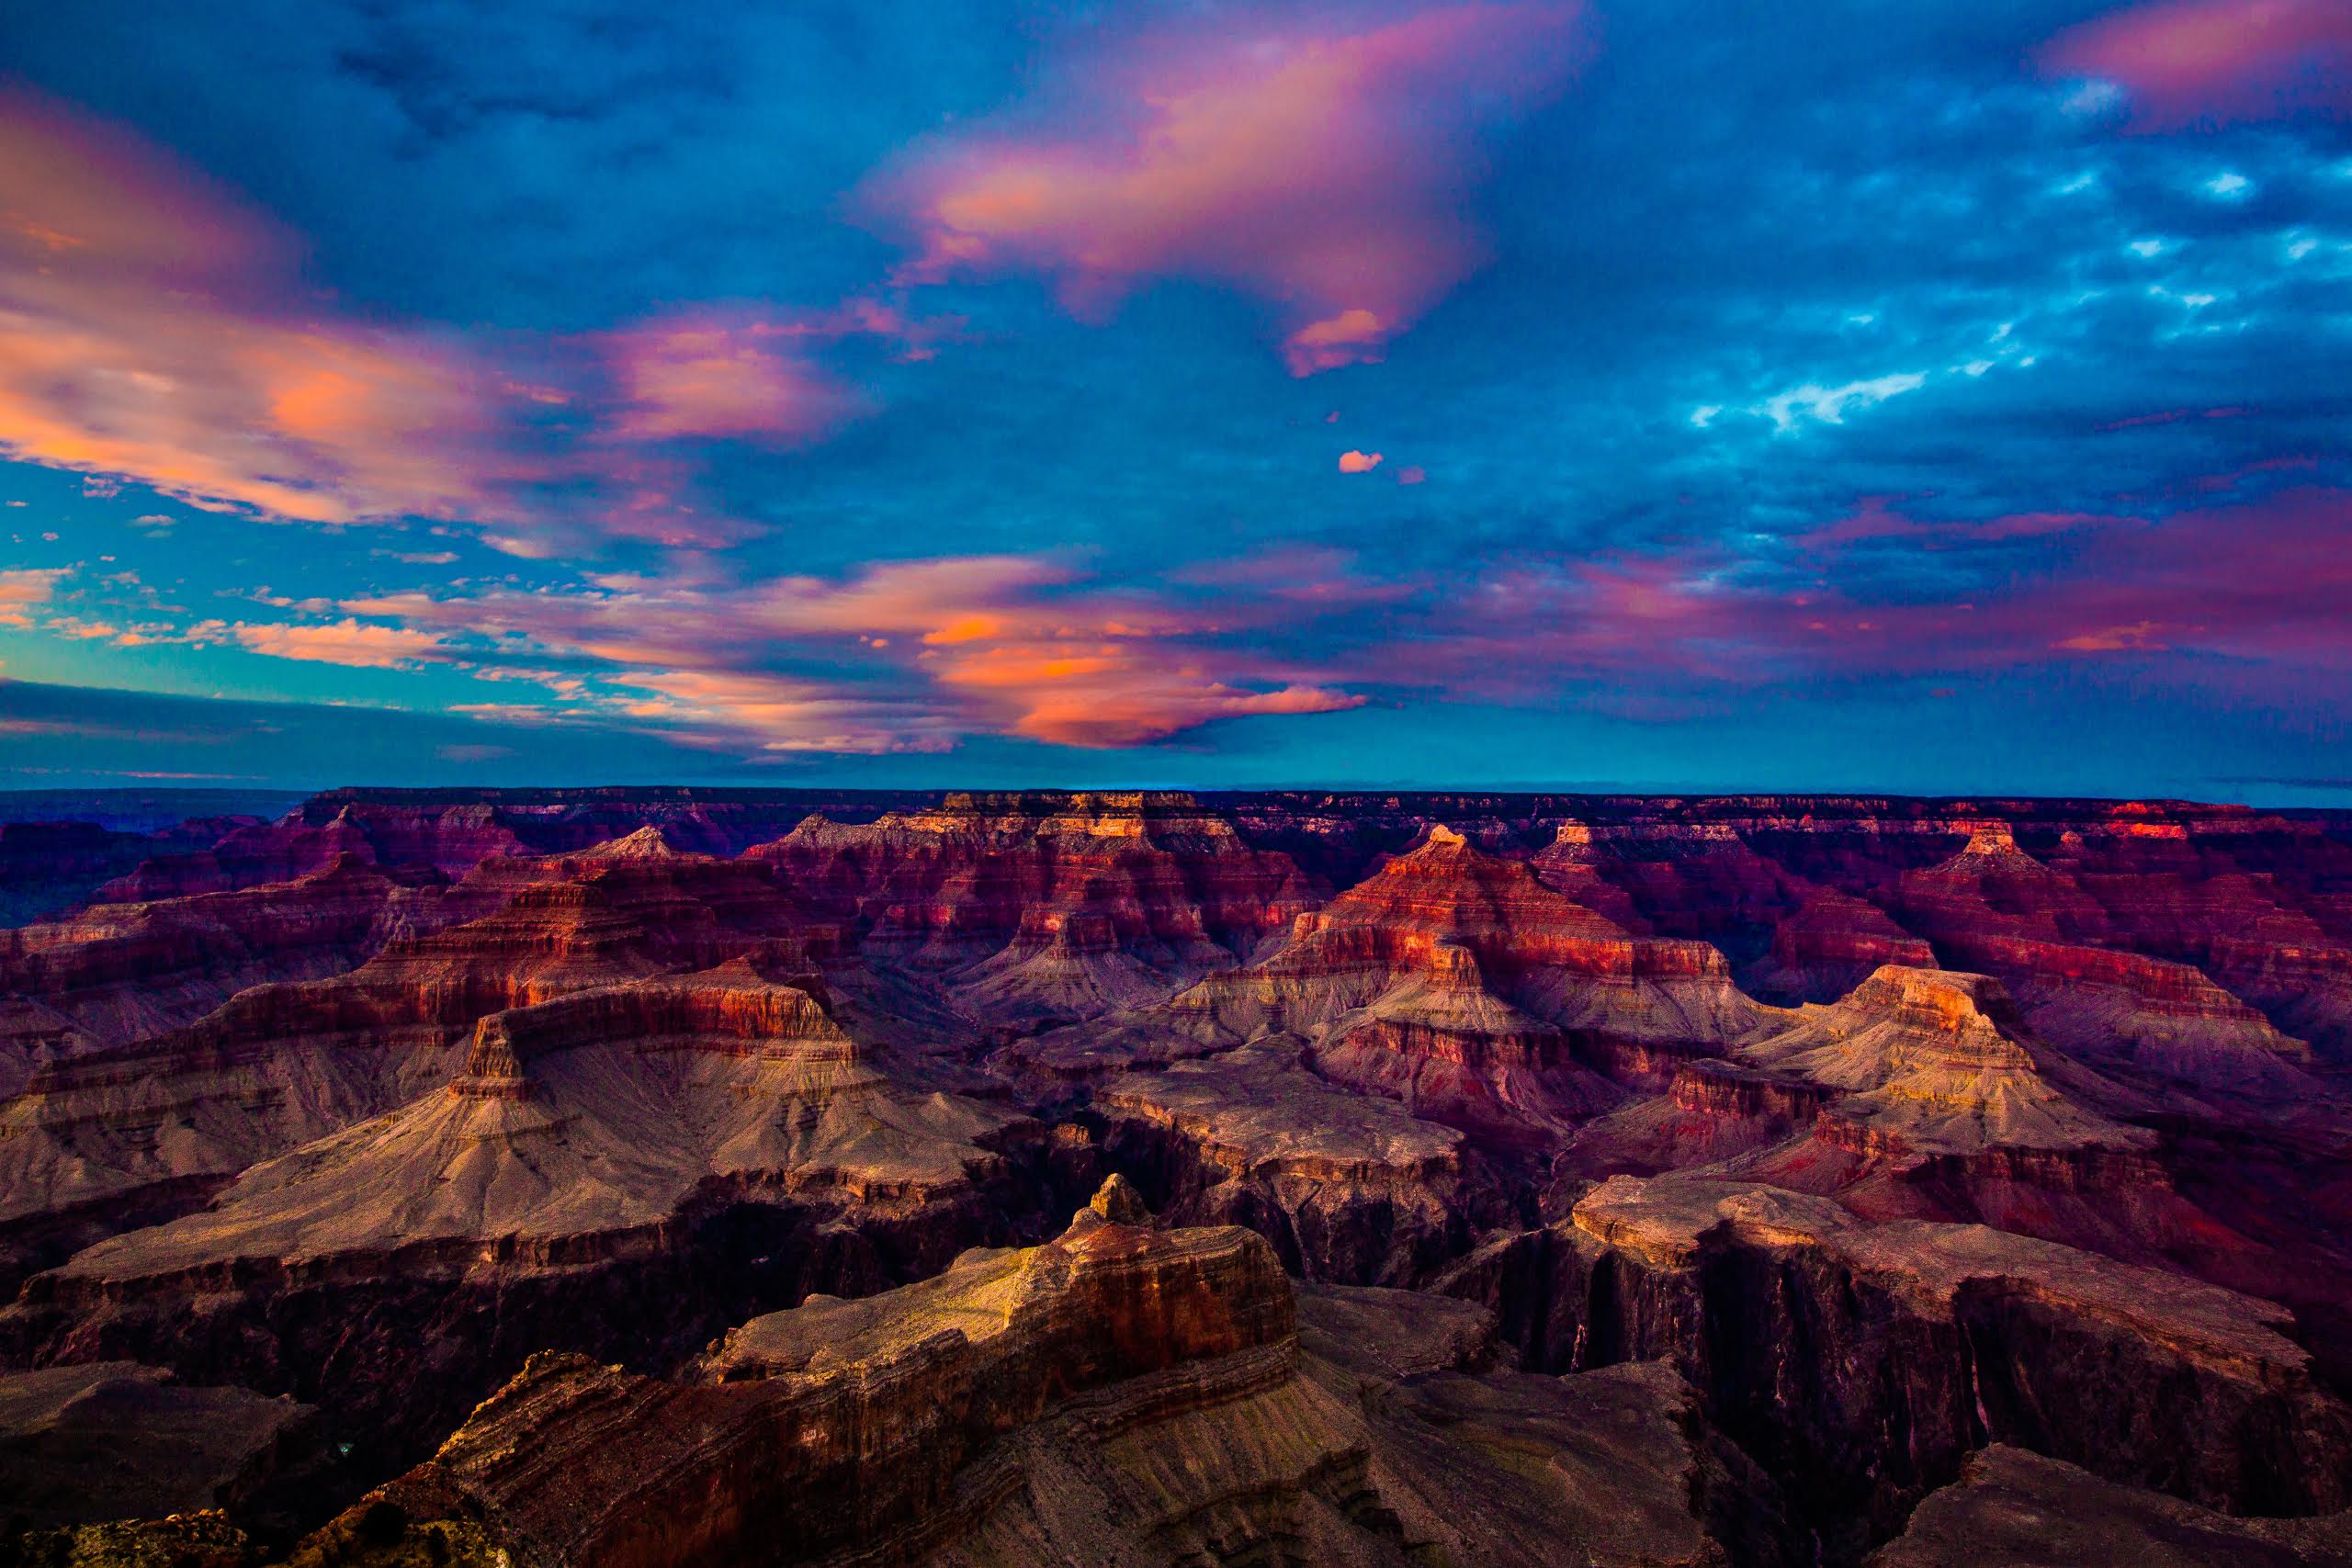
(1830, 944)
(103, 1440)
(2013, 1508)
(1154, 1394)
(47, 868)
(612, 1177)
(1030, 908)
(1455, 981)
(1953, 1334)
(585, 1146)
(1994, 907)
(123, 972)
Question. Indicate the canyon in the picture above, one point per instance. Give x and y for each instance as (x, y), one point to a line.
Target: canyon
(635, 1178)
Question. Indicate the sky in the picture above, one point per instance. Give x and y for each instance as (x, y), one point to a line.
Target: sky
(1945, 398)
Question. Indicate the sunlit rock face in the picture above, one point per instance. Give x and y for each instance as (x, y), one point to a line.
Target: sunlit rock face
(1026, 909)
(595, 1178)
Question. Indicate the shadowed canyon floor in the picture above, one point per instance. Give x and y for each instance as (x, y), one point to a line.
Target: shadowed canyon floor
(675, 1177)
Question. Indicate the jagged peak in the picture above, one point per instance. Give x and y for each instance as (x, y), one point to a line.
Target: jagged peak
(814, 828)
(344, 865)
(1118, 1201)
(646, 843)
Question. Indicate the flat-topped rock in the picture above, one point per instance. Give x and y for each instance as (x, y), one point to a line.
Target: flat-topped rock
(1044, 906)
(1669, 1220)
(103, 1441)
(1392, 1334)
(1492, 1466)
(1256, 1111)
(2013, 1508)
(580, 1121)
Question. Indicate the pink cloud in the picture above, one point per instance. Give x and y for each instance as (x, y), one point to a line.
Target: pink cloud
(85, 631)
(2141, 636)
(2261, 583)
(781, 714)
(1354, 462)
(1321, 171)
(1354, 336)
(2173, 416)
(2191, 61)
(1139, 704)
(922, 653)
(157, 330)
(1874, 519)
(147, 338)
(716, 374)
(1285, 577)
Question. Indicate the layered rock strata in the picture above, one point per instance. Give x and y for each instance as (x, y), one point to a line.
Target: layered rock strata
(1030, 908)
(1950, 1335)
(713, 1138)
(1123, 1393)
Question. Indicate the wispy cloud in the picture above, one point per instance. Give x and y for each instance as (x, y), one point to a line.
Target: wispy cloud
(348, 642)
(154, 329)
(1790, 409)
(902, 656)
(1320, 169)
(721, 374)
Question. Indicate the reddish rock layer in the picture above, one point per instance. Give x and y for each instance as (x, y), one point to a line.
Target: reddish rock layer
(1036, 908)
(554, 1072)
(122, 972)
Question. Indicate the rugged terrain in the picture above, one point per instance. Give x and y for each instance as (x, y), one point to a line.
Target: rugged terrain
(685, 1177)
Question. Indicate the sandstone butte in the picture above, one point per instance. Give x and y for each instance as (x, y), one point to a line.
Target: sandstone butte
(673, 1176)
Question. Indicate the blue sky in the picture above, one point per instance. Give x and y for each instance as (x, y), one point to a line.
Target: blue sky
(1940, 398)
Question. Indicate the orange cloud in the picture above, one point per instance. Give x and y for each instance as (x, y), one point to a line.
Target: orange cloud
(945, 648)
(1320, 171)
(347, 642)
(2139, 637)
(26, 588)
(954, 600)
(1119, 694)
(1351, 337)
(2185, 62)
(1143, 711)
(1353, 462)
